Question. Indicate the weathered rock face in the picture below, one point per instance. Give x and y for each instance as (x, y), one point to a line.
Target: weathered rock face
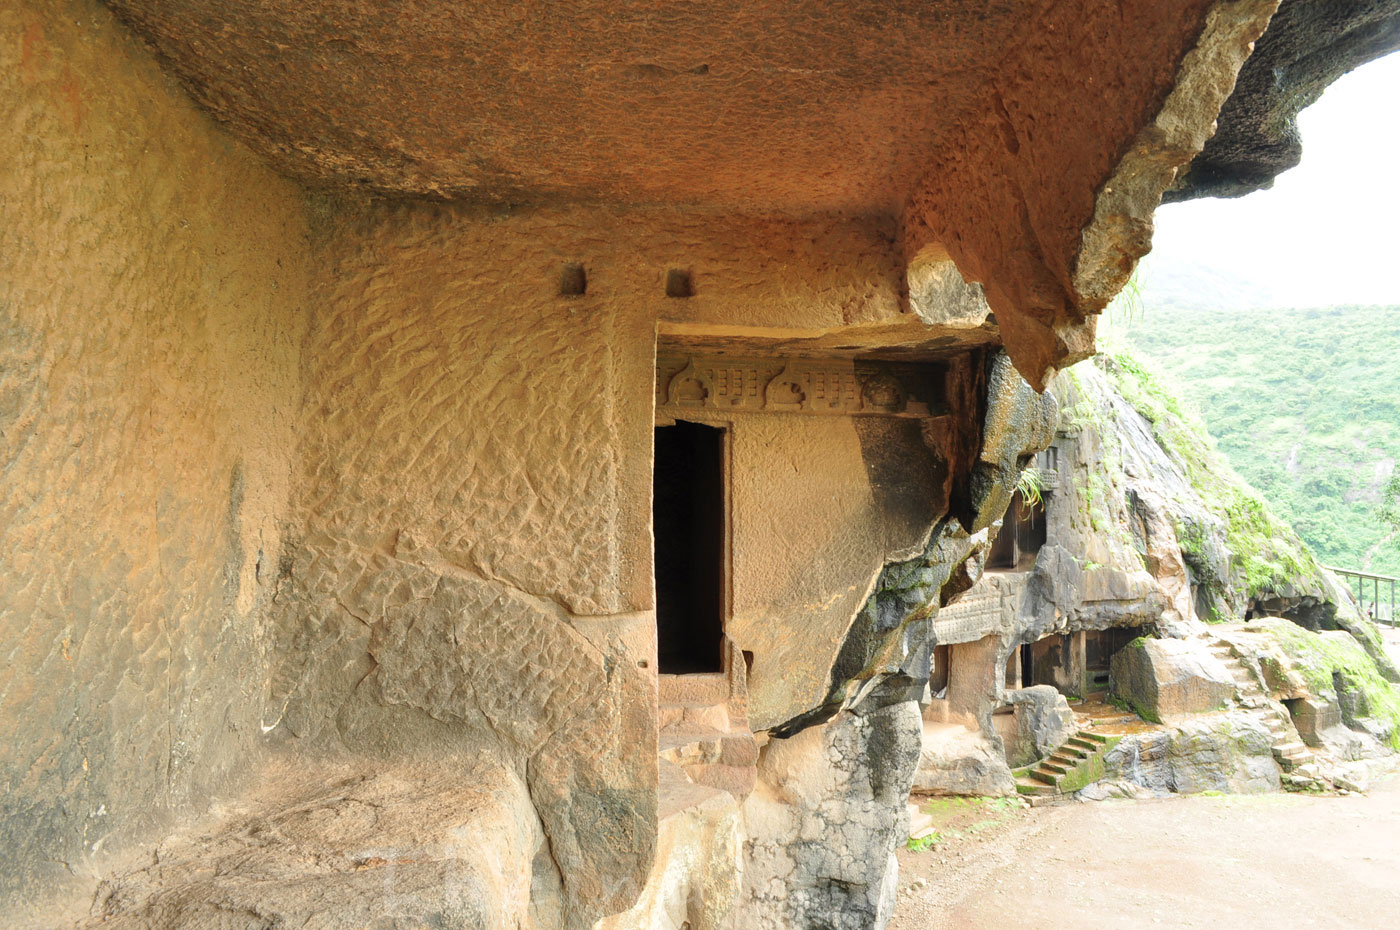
(1043, 723)
(1223, 752)
(963, 761)
(697, 879)
(972, 120)
(1308, 45)
(888, 645)
(153, 281)
(1046, 273)
(327, 847)
(1019, 423)
(824, 820)
(1121, 505)
(475, 562)
(317, 483)
(1166, 679)
(1320, 724)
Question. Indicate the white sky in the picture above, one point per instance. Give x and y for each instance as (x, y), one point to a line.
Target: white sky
(1328, 232)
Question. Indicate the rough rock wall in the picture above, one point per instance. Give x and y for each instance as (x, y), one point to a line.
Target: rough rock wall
(1308, 45)
(474, 569)
(152, 279)
(1033, 206)
(1096, 569)
(819, 506)
(1205, 534)
(829, 808)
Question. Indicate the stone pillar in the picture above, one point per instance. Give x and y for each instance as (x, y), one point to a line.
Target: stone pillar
(973, 683)
(1077, 664)
(1013, 670)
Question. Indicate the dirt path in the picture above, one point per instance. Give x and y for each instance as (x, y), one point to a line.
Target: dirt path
(1233, 863)
(1391, 636)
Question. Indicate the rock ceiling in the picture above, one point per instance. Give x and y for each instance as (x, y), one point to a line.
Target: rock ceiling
(1027, 141)
(831, 105)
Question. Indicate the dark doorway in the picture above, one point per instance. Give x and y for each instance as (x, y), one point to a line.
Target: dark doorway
(1099, 648)
(688, 522)
(1022, 535)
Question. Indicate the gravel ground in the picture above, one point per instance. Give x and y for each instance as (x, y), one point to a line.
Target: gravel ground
(1234, 863)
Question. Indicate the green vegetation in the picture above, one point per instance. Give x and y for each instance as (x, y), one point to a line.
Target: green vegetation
(1390, 503)
(923, 843)
(1324, 660)
(1133, 707)
(1305, 404)
(1089, 771)
(957, 816)
(1031, 484)
(1267, 556)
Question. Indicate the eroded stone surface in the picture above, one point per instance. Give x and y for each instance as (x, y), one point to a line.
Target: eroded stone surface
(1308, 45)
(1019, 422)
(824, 820)
(699, 867)
(1047, 271)
(326, 847)
(1222, 752)
(958, 761)
(1165, 679)
(1043, 722)
(153, 280)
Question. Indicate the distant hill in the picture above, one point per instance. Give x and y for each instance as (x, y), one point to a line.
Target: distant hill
(1305, 403)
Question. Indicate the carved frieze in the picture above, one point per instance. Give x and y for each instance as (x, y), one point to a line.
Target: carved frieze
(843, 387)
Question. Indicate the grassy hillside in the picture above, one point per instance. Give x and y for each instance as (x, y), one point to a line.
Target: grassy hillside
(1305, 404)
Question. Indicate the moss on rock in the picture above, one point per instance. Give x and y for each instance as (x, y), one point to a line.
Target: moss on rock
(1334, 663)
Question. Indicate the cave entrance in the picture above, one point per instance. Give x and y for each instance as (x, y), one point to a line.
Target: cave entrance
(1100, 647)
(688, 523)
(1022, 535)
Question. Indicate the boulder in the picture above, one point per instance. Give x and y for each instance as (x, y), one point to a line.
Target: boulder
(962, 762)
(1230, 753)
(415, 844)
(1043, 723)
(1162, 679)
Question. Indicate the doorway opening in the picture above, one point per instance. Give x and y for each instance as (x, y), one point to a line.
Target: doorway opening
(688, 518)
(1022, 536)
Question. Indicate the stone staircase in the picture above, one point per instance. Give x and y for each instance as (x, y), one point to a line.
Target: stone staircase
(1076, 763)
(708, 738)
(1250, 697)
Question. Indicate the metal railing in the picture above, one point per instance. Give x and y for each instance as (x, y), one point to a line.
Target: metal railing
(1377, 607)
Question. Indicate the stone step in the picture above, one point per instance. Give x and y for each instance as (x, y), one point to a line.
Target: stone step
(1032, 788)
(1091, 737)
(685, 733)
(1044, 778)
(1055, 768)
(1069, 761)
(715, 716)
(738, 780)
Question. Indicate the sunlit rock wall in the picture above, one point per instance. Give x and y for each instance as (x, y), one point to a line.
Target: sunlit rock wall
(473, 567)
(152, 279)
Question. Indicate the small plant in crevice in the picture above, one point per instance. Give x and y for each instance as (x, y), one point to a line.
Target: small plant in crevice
(1031, 485)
